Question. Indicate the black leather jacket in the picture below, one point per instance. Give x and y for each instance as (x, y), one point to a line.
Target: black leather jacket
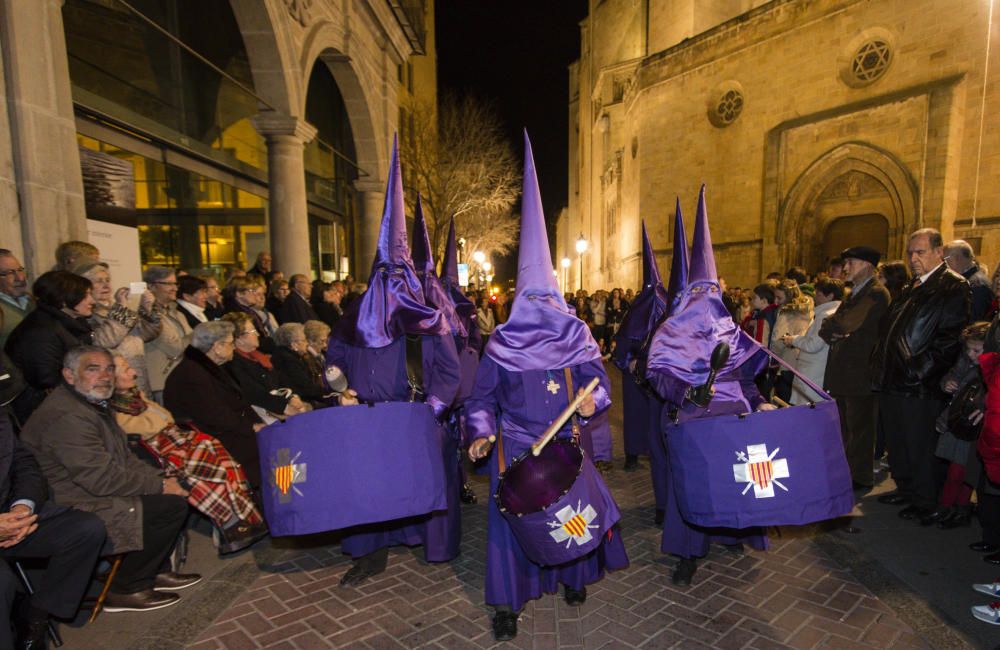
(920, 336)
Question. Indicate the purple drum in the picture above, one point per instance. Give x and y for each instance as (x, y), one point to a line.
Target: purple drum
(556, 503)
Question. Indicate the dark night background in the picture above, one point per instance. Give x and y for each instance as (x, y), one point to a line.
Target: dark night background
(514, 54)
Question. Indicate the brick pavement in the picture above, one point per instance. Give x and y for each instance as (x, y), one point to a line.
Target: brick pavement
(792, 596)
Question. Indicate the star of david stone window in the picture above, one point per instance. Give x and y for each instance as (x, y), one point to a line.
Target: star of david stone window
(871, 61)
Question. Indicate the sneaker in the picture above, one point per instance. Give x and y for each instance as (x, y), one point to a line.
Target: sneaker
(140, 601)
(990, 589)
(988, 613)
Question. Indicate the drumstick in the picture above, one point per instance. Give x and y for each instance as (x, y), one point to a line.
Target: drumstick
(492, 439)
(565, 415)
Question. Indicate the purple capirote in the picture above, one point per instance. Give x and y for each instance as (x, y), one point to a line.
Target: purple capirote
(521, 404)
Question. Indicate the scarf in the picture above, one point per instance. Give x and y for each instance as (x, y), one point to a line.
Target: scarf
(128, 401)
(257, 357)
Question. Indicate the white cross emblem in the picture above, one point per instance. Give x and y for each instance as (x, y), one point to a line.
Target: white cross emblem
(552, 387)
(573, 525)
(760, 470)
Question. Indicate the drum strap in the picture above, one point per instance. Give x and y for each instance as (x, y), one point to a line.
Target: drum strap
(570, 395)
(500, 459)
(415, 367)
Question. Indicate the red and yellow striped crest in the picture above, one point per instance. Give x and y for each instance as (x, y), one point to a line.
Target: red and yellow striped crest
(762, 472)
(283, 476)
(576, 526)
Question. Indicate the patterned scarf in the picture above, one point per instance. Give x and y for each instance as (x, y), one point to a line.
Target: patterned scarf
(128, 401)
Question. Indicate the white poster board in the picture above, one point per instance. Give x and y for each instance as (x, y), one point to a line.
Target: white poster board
(119, 246)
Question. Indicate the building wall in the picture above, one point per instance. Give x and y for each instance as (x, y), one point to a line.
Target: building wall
(810, 145)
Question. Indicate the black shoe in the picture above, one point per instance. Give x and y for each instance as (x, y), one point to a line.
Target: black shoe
(358, 574)
(912, 512)
(604, 467)
(992, 558)
(504, 626)
(467, 496)
(984, 547)
(140, 601)
(958, 519)
(684, 571)
(631, 463)
(175, 581)
(575, 597)
(893, 499)
(936, 516)
(239, 536)
(658, 517)
(33, 635)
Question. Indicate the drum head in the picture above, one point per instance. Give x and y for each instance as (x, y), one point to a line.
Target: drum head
(533, 483)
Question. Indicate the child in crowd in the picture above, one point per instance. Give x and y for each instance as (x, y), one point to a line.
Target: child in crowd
(957, 428)
(760, 322)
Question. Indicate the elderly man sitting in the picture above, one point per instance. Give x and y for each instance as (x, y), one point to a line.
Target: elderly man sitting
(85, 457)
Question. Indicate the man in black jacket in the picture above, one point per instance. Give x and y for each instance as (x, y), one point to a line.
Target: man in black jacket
(919, 339)
(31, 528)
(962, 260)
(852, 332)
(296, 308)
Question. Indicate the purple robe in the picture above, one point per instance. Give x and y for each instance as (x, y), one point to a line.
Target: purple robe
(519, 404)
(734, 393)
(379, 375)
(635, 416)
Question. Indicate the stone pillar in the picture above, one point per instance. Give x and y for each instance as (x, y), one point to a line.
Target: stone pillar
(288, 214)
(42, 130)
(372, 194)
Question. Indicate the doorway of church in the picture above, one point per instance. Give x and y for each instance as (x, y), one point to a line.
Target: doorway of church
(863, 229)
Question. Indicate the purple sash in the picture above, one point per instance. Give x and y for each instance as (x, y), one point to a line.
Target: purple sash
(345, 466)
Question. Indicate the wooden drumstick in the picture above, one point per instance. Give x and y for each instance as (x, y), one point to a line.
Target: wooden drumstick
(558, 423)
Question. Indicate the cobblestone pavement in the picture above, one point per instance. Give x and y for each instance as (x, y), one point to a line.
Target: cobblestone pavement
(792, 596)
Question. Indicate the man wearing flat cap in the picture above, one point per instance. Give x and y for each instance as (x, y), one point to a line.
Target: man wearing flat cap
(852, 331)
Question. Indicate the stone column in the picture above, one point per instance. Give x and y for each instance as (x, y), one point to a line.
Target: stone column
(288, 214)
(372, 195)
(42, 130)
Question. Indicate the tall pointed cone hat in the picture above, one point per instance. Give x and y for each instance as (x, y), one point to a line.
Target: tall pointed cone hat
(394, 303)
(449, 265)
(681, 349)
(679, 262)
(702, 257)
(646, 310)
(541, 333)
(464, 307)
(423, 259)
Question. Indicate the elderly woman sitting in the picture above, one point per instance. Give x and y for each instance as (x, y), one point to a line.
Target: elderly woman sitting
(200, 392)
(254, 372)
(295, 367)
(216, 484)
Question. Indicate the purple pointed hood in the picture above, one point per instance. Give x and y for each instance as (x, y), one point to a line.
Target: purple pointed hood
(682, 346)
(464, 307)
(679, 261)
(423, 260)
(394, 303)
(541, 333)
(646, 310)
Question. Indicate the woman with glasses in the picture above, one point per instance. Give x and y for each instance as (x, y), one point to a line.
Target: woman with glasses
(296, 367)
(117, 328)
(245, 296)
(165, 351)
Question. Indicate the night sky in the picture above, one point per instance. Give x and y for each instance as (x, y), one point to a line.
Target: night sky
(514, 54)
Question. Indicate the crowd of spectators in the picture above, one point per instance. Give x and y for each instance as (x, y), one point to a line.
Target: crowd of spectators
(130, 405)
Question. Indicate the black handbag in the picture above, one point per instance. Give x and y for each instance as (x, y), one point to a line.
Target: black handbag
(968, 399)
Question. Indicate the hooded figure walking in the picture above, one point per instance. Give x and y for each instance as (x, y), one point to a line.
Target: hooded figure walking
(521, 387)
(393, 347)
(678, 366)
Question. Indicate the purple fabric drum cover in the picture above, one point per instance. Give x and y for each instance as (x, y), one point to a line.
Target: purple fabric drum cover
(556, 504)
(350, 465)
(770, 468)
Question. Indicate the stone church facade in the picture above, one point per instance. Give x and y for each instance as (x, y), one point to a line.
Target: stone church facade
(814, 124)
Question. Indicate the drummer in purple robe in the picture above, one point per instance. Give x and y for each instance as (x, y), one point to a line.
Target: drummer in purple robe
(520, 389)
(393, 347)
(468, 342)
(641, 406)
(678, 368)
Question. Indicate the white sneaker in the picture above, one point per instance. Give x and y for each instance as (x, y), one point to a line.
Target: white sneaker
(988, 613)
(990, 589)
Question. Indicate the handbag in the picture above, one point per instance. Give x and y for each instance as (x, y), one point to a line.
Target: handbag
(968, 399)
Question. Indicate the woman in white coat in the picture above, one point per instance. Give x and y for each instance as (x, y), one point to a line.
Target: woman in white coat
(811, 360)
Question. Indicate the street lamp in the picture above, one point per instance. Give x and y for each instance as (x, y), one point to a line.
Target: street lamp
(565, 266)
(479, 257)
(487, 267)
(581, 248)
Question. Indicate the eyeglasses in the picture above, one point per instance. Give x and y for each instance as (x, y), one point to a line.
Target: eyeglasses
(169, 284)
(245, 332)
(18, 271)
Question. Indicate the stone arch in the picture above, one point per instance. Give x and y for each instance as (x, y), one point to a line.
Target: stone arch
(890, 191)
(270, 54)
(323, 45)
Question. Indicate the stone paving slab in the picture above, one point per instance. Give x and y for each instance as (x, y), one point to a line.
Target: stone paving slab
(793, 596)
